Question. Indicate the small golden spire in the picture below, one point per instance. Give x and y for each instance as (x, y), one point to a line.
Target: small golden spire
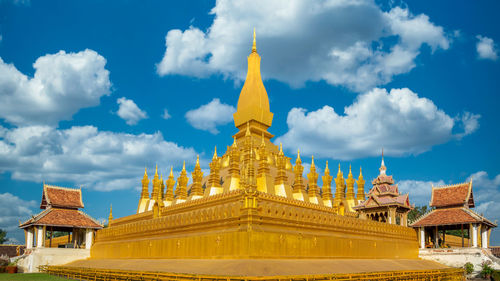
(171, 171)
(254, 45)
(339, 172)
(184, 166)
(110, 218)
(360, 173)
(234, 142)
(312, 161)
(145, 172)
(350, 171)
(327, 170)
(156, 172)
(298, 156)
(281, 149)
(215, 153)
(247, 133)
(197, 161)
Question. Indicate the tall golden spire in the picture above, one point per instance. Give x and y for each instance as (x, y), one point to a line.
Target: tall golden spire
(197, 174)
(181, 190)
(361, 187)
(169, 193)
(327, 180)
(145, 183)
(313, 179)
(350, 185)
(253, 104)
(110, 218)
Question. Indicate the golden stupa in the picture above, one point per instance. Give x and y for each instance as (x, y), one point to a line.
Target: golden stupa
(254, 204)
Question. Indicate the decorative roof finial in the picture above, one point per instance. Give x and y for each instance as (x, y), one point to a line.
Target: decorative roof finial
(312, 161)
(171, 171)
(234, 142)
(327, 170)
(184, 166)
(254, 45)
(382, 168)
(156, 172)
(298, 157)
(197, 160)
(215, 153)
(145, 172)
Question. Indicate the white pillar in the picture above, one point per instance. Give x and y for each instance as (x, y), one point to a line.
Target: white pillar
(422, 237)
(88, 238)
(474, 235)
(39, 237)
(484, 236)
(29, 238)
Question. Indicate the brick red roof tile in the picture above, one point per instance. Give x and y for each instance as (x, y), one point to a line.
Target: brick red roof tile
(61, 197)
(451, 216)
(63, 217)
(453, 195)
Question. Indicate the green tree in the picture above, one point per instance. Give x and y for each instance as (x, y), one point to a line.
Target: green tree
(417, 212)
(3, 237)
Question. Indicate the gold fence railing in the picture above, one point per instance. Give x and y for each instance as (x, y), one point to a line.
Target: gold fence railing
(79, 273)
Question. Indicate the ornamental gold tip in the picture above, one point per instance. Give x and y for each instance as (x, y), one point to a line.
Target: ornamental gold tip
(254, 45)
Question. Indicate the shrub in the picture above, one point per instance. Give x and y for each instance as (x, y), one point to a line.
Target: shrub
(469, 268)
(486, 270)
(496, 275)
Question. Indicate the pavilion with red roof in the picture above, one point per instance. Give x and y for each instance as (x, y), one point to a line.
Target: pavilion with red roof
(61, 212)
(453, 211)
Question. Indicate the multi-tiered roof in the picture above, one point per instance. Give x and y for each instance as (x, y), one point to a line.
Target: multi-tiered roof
(60, 207)
(452, 205)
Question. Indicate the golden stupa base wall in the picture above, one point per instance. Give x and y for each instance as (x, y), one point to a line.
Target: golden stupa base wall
(236, 225)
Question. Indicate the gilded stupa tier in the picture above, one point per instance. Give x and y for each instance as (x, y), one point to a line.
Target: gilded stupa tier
(256, 202)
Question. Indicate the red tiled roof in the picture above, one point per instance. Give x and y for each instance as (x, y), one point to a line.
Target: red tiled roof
(383, 179)
(63, 217)
(451, 216)
(453, 195)
(61, 197)
(401, 200)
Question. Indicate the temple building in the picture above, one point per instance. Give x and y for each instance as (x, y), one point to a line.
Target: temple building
(452, 211)
(384, 203)
(257, 214)
(60, 213)
(255, 202)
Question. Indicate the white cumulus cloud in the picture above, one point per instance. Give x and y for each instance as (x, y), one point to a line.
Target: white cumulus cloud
(129, 111)
(14, 209)
(354, 44)
(165, 114)
(62, 84)
(208, 116)
(83, 155)
(486, 48)
(420, 191)
(399, 121)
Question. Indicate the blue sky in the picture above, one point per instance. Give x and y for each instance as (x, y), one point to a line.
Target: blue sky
(91, 92)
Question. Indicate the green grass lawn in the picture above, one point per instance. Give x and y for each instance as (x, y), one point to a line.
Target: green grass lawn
(30, 277)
